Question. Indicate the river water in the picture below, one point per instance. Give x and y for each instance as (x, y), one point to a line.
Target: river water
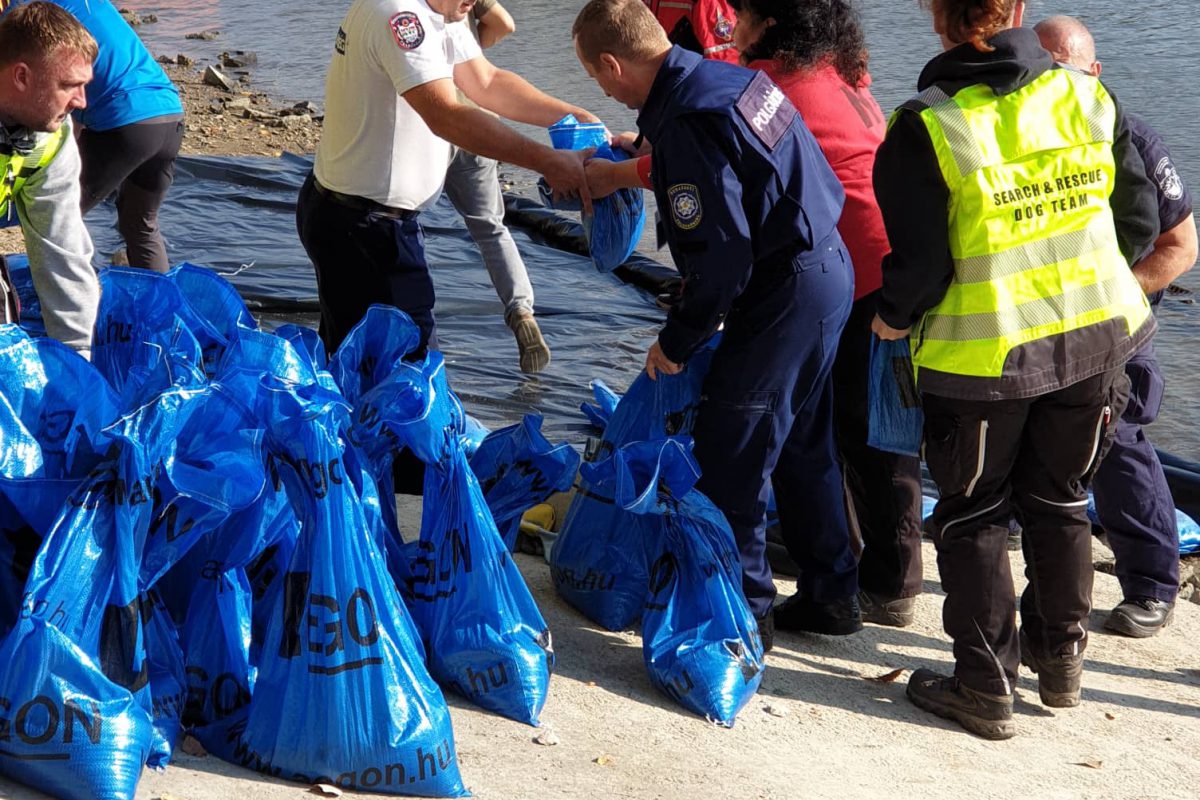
(1147, 50)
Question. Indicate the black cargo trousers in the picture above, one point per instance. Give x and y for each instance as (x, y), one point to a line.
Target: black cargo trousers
(1030, 458)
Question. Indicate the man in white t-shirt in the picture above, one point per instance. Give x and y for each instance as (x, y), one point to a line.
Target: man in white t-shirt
(391, 115)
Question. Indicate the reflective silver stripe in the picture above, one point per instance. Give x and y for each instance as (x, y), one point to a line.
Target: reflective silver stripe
(969, 517)
(1072, 504)
(1014, 319)
(1099, 235)
(1104, 416)
(995, 660)
(1101, 123)
(983, 429)
(963, 144)
(708, 51)
(668, 4)
(926, 99)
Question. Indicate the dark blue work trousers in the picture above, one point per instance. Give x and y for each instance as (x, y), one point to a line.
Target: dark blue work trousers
(766, 419)
(363, 257)
(1133, 500)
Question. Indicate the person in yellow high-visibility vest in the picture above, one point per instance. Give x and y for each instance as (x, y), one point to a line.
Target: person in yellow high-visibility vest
(45, 62)
(1015, 202)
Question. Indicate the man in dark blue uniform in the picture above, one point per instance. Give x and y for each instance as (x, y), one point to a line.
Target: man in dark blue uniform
(751, 209)
(1133, 501)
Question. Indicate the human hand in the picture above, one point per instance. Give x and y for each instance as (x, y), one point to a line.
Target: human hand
(584, 115)
(625, 141)
(604, 177)
(887, 332)
(564, 173)
(657, 361)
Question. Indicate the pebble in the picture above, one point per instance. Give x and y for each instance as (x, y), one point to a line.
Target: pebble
(546, 737)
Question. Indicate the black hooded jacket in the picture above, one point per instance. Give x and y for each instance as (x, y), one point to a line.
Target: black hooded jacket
(914, 197)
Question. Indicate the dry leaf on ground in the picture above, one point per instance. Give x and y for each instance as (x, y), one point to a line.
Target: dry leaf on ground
(885, 678)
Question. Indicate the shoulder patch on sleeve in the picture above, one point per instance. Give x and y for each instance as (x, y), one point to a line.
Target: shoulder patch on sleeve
(685, 205)
(1168, 180)
(406, 27)
(766, 109)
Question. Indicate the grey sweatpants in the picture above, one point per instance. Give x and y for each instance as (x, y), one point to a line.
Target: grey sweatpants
(473, 186)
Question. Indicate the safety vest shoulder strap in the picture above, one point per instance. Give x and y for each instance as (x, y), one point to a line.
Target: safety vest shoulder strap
(17, 168)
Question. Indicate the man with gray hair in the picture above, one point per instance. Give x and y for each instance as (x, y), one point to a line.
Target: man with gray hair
(1133, 501)
(45, 62)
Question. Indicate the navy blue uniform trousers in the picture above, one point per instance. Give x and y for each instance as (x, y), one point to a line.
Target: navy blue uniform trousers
(1133, 501)
(766, 418)
(363, 257)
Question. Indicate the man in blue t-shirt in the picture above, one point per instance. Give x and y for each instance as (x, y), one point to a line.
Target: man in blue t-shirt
(132, 129)
(1133, 501)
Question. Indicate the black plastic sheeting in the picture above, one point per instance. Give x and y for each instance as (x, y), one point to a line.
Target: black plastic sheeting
(237, 216)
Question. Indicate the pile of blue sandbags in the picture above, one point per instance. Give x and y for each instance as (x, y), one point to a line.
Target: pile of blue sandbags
(203, 536)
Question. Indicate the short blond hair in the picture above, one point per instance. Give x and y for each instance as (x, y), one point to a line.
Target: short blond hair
(41, 30)
(625, 28)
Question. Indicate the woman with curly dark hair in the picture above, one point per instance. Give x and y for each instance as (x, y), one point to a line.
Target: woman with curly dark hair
(1015, 202)
(815, 51)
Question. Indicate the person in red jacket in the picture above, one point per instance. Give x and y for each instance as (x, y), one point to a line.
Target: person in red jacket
(815, 51)
(702, 26)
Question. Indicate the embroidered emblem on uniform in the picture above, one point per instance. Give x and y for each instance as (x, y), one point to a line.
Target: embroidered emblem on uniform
(1168, 179)
(406, 27)
(766, 110)
(339, 44)
(685, 205)
(724, 27)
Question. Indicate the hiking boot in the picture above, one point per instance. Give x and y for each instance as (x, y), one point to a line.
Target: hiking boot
(1058, 676)
(986, 715)
(878, 609)
(1140, 617)
(838, 618)
(766, 631)
(535, 355)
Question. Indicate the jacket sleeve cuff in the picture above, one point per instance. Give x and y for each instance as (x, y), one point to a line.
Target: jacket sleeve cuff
(678, 342)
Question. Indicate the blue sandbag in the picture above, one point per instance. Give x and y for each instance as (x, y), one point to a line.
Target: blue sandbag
(341, 694)
(599, 560)
(606, 403)
(896, 422)
(1189, 534)
(518, 468)
(50, 442)
(615, 225)
(76, 660)
(700, 640)
(485, 636)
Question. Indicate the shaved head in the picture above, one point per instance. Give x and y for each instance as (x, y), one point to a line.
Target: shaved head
(1070, 42)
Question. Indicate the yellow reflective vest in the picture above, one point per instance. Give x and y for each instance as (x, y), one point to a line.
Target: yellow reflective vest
(16, 168)
(1031, 234)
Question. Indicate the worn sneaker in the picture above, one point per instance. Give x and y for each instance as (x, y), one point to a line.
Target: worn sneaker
(986, 715)
(535, 354)
(897, 612)
(1059, 677)
(839, 618)
(1140, 617)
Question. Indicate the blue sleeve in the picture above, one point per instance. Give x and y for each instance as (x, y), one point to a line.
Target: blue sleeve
(1174, 197)
(709, 235)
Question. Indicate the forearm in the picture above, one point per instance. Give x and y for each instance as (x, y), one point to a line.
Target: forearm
(60, 250)
(484, 135)
(513, 97)
(1174, 254)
